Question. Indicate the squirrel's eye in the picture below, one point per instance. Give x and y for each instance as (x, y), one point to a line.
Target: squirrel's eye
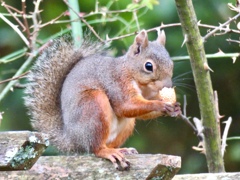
(149, 66)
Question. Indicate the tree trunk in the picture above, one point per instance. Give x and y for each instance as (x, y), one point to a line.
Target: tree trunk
(202, 79)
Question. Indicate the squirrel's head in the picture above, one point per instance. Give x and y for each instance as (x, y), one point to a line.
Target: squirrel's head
(150, 63)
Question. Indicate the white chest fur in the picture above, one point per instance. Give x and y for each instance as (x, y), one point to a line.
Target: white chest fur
(117, 126)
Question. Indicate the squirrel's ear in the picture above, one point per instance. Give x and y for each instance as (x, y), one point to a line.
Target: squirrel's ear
(161, 37)
(142, 38)
(141, 41)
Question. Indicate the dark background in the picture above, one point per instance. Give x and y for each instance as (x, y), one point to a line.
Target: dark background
(163, 135)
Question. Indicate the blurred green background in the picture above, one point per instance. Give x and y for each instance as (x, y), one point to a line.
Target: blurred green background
(163, 135)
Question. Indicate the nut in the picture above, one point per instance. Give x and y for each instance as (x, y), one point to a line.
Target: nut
(168, 95)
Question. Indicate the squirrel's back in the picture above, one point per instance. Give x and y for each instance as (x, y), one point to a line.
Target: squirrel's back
(45, 82)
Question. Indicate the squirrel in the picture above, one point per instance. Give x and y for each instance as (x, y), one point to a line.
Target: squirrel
(88, 101)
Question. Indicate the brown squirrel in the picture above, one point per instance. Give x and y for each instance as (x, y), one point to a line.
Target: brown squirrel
(88, 102)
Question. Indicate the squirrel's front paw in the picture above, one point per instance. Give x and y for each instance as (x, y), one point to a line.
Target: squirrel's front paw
(173, 110)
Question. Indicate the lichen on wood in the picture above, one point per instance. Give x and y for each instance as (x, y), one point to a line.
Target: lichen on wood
(21, 149)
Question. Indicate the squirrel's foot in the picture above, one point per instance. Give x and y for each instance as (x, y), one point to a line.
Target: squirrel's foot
(173, 110)
(116, 157)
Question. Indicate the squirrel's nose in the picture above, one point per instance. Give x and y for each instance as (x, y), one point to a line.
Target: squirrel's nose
(164, 83)
(168, 83)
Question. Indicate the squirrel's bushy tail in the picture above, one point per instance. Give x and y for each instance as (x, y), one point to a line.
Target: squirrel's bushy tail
(45, 82)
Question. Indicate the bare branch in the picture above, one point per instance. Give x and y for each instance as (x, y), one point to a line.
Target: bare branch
(136, 19)
(85, 22)
(162, 26)
(18, 73)
(221, 29)
(225, 133)
(15, 28)
(12, 14)
(215, 55)
(14, 78)
(217, 111)
(24, 18)
(1, 117)
(54, 20)
(36, 23)
(185, 105)
(186, 120)
(231, 40)
(221, 26)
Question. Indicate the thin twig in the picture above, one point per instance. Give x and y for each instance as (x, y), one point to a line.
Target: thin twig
(13, 56)
(10, 7)
(20, 86)
(19, 72)
(12, 59)
(85, 22)
(216, 104)
(149, 30)
(111, 12)
(1, 117)
(36, 23)
(162, 26)
(221, 26)
(24, 18)
(76, 26)
(15, 29)
(184, 116)
(216, 55)
(185, 105)
(225, 133)
(17, 15)
(136, 19)
(186, 120)
(125, 10)
(233, 138)
(13, 15)
(53, 21)
(231, 40)
(33, 51)
(197, 131)
(14, 78)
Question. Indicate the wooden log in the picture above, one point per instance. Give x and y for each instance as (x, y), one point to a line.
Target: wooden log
(143, 166)
(19, 150)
